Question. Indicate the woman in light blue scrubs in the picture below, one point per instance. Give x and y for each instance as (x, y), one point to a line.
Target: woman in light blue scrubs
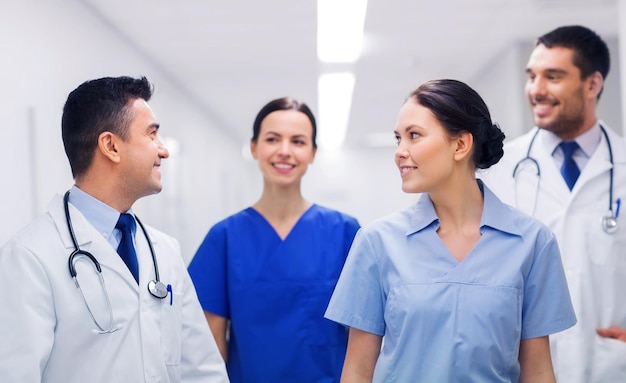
(264, 276)
(462, 287)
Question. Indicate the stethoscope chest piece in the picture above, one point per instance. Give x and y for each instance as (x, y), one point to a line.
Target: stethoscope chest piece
(157, 289)
(610, 224)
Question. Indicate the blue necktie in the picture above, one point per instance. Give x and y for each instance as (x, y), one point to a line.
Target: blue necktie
(126, 250)
(569, 169)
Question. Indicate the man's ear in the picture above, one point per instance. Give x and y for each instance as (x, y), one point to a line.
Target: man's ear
(596, 82)
(464, 144)
(109, 146)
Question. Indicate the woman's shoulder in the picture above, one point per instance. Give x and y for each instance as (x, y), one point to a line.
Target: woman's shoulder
(393, 223)
(332, 215)
(242, 217)
(528, 225)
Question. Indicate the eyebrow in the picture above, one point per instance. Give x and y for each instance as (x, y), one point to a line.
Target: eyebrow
(279, 135)
(549, 70)
(409, 127)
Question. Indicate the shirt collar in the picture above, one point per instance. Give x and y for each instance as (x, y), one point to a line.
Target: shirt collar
(494, 215)
(100, 215)
(587, 141)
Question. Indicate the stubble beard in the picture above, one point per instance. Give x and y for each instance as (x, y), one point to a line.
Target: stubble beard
(568, 122)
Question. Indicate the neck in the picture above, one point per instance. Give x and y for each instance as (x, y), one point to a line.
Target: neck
(460, 205)
(105, 191)
(281, 203)
(585, 125)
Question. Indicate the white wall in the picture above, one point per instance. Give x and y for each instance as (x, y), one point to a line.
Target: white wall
(50, 48)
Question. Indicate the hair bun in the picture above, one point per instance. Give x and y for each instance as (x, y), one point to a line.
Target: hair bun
(492, 147)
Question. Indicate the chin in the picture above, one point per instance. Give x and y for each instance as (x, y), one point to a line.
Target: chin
(155, 189)
(410, 189)
(544, 123)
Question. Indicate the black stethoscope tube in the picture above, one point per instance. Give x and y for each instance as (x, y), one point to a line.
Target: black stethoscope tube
(609, 223)
(155, 287)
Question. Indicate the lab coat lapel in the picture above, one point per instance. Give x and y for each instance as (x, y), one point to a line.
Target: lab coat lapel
(57, 212)
(89, 240)
(144, 257)
(551, 182)
(598, 164)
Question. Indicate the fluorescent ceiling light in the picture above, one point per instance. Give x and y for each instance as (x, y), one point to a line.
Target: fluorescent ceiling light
(334, 92)
(340, 29)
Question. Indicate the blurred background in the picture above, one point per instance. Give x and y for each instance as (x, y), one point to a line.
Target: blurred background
(214, 63)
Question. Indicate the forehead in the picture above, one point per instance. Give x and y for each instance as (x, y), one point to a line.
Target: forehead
(138, 105)
(140, 112)
(282, 121)
(413, 113)
(543, 58)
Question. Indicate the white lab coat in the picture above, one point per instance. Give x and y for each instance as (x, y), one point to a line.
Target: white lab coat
(45, 329)
(594, 261)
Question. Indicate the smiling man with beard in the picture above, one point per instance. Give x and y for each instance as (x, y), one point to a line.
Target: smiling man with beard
(569, 171)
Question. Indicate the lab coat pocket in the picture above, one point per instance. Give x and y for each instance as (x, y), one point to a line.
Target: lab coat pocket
(609, 357)
(171, 328)
(605, 249)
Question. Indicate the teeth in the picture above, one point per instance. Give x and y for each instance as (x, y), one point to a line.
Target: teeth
(283, 166)
(405, 170)
(543, 107)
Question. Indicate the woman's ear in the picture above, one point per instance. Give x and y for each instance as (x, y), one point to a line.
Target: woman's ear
(313, 157)
(109, 146)
(464, 144)
(253, 149)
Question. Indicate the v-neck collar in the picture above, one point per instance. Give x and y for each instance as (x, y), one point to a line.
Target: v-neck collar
(261, 217)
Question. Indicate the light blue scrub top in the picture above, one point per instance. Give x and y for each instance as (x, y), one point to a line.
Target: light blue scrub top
(449, 321)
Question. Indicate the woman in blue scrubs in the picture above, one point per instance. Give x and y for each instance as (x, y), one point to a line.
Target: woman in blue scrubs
(265, 275)
(462, 287)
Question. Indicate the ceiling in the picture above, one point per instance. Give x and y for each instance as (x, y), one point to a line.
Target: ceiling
(232, 56)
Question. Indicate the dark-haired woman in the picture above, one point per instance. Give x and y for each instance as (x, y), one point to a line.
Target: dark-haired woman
(462, 287)
(265, 275)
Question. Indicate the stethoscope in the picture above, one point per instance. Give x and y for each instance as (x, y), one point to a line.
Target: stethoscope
(610, 225)
(155, 286)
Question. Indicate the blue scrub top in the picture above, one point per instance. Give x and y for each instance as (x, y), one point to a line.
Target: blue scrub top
(450, 321)
(275, 293)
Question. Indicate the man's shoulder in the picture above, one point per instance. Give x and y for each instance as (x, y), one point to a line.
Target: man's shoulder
(615, 137)
(521, 141)
(36, 231)
(157, 234)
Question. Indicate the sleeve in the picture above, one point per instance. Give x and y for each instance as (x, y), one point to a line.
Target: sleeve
(358, 299)
(352, 226)
(27, 316)
(547, 307)
(201, 360)
(208, 271)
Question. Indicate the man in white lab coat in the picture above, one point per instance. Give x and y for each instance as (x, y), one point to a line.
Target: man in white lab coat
(132, 320)
(575, 189)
